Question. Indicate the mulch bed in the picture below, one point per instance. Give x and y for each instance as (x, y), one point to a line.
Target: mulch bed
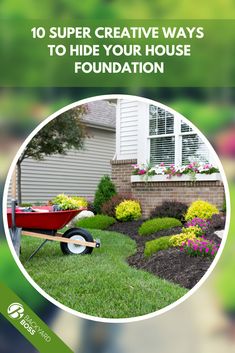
(171, 264)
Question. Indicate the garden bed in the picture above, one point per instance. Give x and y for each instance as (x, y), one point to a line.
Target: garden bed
(171, 264)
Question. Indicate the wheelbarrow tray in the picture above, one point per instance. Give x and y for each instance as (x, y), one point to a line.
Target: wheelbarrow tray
(47, 219)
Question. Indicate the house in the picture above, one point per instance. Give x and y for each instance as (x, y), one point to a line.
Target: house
(78, 172)
(150, 133)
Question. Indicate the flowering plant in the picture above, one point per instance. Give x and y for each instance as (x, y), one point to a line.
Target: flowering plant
(191, 169)
(198, 222)
(200, 247)
(195, 229)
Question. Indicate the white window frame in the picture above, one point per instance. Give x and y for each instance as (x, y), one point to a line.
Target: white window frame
(144, 138)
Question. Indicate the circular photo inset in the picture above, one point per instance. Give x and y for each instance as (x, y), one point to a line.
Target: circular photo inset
(115, 208)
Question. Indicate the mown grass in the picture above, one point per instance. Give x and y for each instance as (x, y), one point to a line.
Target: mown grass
(101, 284)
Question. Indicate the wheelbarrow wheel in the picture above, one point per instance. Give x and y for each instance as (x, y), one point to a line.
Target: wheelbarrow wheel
(76, 234)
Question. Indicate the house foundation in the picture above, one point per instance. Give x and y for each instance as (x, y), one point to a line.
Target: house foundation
(153, 193)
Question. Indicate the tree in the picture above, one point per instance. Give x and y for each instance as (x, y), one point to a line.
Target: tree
(60, 135)
(105, 190)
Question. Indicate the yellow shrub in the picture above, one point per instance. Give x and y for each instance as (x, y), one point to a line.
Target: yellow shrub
(128, 210)
(200, 209)
(195, 229)
(179, 239)
(66, 202)
(80, 201)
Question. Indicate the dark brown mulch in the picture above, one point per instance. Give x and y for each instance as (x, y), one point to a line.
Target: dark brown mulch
(172, 264)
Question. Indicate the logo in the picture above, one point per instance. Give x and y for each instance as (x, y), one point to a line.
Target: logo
(15, 311)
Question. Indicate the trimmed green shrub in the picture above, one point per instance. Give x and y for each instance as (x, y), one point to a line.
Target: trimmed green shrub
(173, 209)
(109, 207)
(96, 222)
(128, 210)
(105, 190)
(201, 209)
(154, 225)
(156, 245)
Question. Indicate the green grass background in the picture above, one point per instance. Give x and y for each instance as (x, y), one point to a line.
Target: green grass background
(101, 284)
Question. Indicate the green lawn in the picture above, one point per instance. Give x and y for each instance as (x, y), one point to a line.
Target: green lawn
(101, 284)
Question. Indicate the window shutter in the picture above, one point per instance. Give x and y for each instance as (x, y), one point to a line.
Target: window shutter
(193, 149)
(162, 149)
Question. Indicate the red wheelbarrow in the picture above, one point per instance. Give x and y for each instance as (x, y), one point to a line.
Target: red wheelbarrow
(44, 222)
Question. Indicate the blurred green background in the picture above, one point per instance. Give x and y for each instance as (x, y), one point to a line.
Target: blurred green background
(211, 110)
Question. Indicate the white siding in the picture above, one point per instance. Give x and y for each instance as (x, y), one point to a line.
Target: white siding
(127, 129)
(77, 173)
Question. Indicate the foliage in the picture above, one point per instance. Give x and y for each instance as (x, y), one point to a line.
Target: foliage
(200, 247)
(224, 206)
(154, 225)
(96, 222)
(109, 207)
(69, 203)
(105, 284)
(199, 222)
(80, 200)
(179, 239)
(173, 209)
(90, 207)
(195, 229)
(156, 245)
(105, 190)
(217, 221)
(26, 204)
(169, 241)
(58, 136)
(128, 210)
(200, 209)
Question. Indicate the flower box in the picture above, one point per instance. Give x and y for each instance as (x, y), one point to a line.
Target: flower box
(183, 177)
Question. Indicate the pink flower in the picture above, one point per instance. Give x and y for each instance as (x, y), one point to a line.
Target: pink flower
(207, 250)
(162, 164)
(141, 172)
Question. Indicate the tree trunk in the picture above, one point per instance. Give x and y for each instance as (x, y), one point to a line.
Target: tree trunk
(19, 182)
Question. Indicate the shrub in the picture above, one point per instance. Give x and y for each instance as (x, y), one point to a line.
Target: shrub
(105, 190)
(180, 239)
(195, 229)
(201, 209)
(90, 207)
(96, 222)
(128, 210)
(156, 245)
(198, 222)
(223, 209)
(173, 209)
(26, 204)
(80, 200)
(200, 247)
(154, 225)
(109, 207)
(69, 203)
(217, 221)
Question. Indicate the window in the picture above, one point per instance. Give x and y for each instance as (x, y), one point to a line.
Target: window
(173, 141)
